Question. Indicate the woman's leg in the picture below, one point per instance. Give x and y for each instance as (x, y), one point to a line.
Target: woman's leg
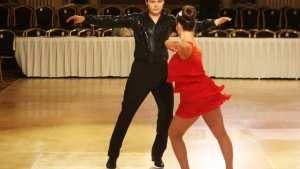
(214, 120)
(177, 129)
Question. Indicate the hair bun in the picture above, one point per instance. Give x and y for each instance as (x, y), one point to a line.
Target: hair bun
(187, 17)
(189, 13)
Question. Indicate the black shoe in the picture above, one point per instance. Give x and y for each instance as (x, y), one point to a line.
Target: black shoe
(111, 163)
(158, 162)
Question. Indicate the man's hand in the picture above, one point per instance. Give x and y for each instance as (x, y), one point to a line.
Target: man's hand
(77, 19)
(222, 20)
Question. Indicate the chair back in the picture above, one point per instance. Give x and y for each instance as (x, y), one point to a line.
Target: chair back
(252, 31)
(89, 10)
(238, 19)
(101, 30)
(132, 9)
(240, 33)
(249, 18)
(63, 13)
(271, 19)
(218, 33)
(175, 10)
(57, 32)
(4, 17)
(282, 9)
(203, 33)
(7, 46)
(261, 24)
(7, 42)
(87, 32)
(22, 16)
(107, 32)
(35, 32)
(231, 13)
(44, 17)
(112, 10)
(288, 33)
(292, 18)
(74, 32)
(265, 33)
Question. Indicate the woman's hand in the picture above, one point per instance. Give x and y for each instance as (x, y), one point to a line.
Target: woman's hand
(173, 45)
(173, 34)
(221, 20)
(77, 19)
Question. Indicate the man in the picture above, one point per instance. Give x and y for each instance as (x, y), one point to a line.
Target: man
(148, 72)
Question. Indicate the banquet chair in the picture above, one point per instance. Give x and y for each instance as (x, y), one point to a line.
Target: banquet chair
(101, 30)
(22, 19)
(249, 18)
(44, 17)
(4, 17)
(107, 32)
(88, 10)
(271, 19)
(7, 46)
(35, 32)
(288, 33)
(132, 9)
(57, 32)
(265, 33)
(292, 18)
(74, 32)
(212, 33)
(238, 19)
(112, 10)
(252, 31)
(87, 32)
(229, 30)
(203, 33)
(175, 10)
(260, 9)
(231, 13)
(218, 33)
(63, 13)
(240, 33)
(282, 9)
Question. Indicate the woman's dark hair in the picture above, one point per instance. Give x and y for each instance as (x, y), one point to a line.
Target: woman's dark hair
(187, 17)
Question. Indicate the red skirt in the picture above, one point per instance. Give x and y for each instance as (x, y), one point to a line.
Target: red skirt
(194, 104)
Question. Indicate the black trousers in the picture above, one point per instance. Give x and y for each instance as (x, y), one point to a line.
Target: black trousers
(143, 79)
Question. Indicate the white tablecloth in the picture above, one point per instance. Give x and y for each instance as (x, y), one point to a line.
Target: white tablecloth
(113, 56)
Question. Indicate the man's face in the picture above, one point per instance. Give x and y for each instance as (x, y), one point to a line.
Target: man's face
(155, 6)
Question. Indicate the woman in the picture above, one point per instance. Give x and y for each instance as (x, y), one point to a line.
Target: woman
(199, 95)
(148, 71)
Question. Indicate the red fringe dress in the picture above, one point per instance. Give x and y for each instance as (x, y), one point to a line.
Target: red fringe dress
(198, 93)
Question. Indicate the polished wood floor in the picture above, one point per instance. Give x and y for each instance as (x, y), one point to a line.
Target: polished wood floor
(66, 123)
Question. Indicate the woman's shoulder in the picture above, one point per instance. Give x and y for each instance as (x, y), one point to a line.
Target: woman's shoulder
(195, 46)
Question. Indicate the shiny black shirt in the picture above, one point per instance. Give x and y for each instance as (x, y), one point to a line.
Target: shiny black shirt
(149, 37)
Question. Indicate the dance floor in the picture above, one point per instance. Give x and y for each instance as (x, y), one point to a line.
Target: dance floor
(66, 123)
